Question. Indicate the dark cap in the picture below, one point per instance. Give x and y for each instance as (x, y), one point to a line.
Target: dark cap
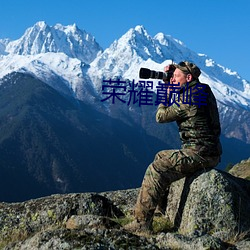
(189, 68)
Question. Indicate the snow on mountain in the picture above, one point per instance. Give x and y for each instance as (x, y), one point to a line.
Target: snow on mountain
(73, 56)
(124, 53)
(3, 43)
(63, 73)
(137, 49)
(57, 55)
(42, 38)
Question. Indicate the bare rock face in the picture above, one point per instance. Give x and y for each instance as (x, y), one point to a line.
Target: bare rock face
(209, 210)
(211, 202)
(241, 169)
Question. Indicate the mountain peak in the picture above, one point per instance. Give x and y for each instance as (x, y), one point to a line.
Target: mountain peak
(139, 42)
(42, 38)
(41, 24)
(140, 29)
(69, 28)
(135, 46)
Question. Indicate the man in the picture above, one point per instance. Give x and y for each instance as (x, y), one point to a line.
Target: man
(199, 129)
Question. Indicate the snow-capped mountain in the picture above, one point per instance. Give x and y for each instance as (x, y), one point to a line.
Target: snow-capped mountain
(71, 61)
(42, 38)
(74, 56)
(137, 49)
(55, 139)
(57, 55)
(64, 73)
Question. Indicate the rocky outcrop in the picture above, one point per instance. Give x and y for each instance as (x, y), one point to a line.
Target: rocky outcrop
(241, 169)
(211, 202)
(71, 221)
(209, 210)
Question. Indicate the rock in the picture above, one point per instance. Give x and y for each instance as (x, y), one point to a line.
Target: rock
(85, 239)
(209, 210)
(20, 220)
(243, 245)
(241, 169)
(212, 202)
(178, 241)
(90, 221)
(123, 199)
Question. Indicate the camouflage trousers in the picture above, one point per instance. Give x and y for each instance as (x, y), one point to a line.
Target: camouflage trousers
(167, 167)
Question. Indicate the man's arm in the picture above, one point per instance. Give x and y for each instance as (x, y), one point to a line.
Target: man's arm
(166, 114)
(174, 112)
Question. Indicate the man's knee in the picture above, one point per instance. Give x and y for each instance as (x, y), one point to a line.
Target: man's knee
(162, 160)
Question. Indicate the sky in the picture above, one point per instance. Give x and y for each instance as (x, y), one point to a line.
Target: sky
(217, 28)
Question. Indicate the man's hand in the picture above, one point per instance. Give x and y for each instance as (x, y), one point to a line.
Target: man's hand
(168, 68)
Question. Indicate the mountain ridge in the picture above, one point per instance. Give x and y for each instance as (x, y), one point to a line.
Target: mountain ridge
(84, 81)
(135, 49)
(52, 133)
(148, 52)
(55, 144)
(42, 38)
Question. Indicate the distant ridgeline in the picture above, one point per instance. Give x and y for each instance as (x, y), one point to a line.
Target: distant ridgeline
(56, 133)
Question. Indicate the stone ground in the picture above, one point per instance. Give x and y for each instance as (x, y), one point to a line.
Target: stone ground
(202, 213)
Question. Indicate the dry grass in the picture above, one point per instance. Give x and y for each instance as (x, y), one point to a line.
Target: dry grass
(238, 237)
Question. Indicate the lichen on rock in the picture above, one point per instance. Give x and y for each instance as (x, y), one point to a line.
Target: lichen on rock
(211, 202)
(209, 210)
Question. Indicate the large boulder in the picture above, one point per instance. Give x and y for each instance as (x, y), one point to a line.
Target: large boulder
(210, 202)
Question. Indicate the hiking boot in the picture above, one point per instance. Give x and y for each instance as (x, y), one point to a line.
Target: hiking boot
(140, 227)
